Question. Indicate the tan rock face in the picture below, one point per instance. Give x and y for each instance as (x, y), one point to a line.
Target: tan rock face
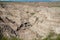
(29, 21)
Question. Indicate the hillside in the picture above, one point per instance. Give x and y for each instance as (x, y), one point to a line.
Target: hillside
(29, 21)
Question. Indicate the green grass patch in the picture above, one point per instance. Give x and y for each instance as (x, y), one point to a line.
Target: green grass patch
(7, 38)
(12, 38)
(52, 36)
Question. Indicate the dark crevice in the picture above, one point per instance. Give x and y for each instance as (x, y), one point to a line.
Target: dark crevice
(10, 20)
(26, 24)
(1, 19)
(19, 27)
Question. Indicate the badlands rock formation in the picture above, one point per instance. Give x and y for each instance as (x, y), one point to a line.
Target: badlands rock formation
(28, 22)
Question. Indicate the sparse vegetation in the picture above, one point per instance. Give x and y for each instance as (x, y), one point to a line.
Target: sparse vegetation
(15, 38)
(12, 38)
(32, 13)
(2, 37)
(52, 36)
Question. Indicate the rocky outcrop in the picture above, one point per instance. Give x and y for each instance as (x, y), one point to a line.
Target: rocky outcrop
(28, 22)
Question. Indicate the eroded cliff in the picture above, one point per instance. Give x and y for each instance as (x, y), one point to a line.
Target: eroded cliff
(28, 22)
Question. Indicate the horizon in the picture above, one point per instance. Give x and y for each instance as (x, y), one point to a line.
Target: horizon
(32, 0)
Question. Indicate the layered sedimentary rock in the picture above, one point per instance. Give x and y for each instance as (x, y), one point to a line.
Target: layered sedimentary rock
(29, 22)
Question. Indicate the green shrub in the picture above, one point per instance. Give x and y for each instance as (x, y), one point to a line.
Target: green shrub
(58, 37)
